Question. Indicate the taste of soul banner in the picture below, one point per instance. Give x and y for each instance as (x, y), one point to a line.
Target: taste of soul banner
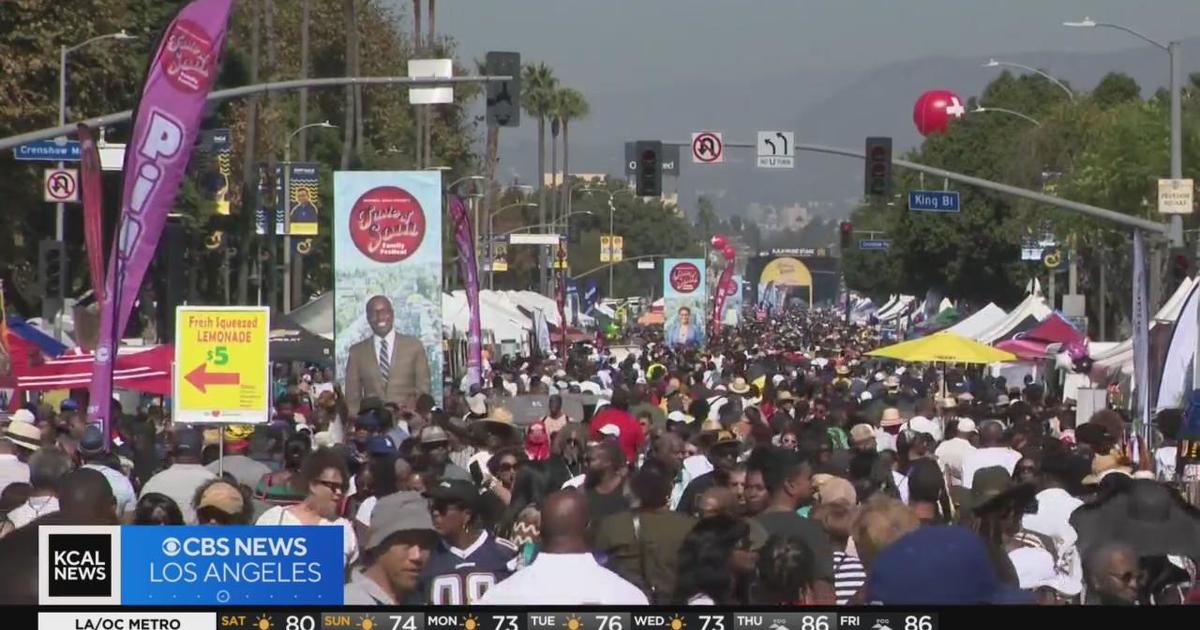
(684, 301)
(387, 278)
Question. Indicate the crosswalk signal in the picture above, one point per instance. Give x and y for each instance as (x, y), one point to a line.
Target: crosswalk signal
(649, 170)
(1183, 264)
(846, 231)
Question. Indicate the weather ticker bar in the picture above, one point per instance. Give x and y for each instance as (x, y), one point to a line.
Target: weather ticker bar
(485, 619)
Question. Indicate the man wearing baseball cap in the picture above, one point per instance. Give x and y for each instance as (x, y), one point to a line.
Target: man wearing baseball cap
(398, 544)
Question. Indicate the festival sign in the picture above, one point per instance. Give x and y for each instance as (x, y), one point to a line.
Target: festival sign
(388, 255)
(684, 301)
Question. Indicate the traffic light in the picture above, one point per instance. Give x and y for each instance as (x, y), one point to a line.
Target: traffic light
(504, 97)
(1183, 264)
(649, 171)
(846, 232)
(878, 179)
(52, 269)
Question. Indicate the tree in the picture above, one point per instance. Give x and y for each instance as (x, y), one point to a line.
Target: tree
(1116, 88)
(571, 105)
(537, 86)
(706, 218)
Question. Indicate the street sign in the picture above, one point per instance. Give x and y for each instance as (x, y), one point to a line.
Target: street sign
(1175, 196)
(60, 185)
(776, 149)
(875, 244)
(431, 69)
(670, 160)
(708, 147)
(504, 97)
(605, 248)
(47, 151)
(618, 248)
(533, 239)
(645, 264)
(221, 359)
(945, 201)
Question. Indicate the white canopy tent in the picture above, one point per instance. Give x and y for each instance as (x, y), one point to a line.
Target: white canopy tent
(979, 321)
(1119, 357)
(897, 309)
(1033, 306)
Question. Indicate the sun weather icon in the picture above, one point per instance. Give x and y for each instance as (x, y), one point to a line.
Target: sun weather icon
(676, 623)
(263, 622)
(471, 623)
(574, 623)
(367, 622)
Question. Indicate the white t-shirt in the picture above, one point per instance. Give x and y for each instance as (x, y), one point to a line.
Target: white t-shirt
(180, 482)
(950, 454)
(280, 515)
(697, 465)
(121, 487)
(558, 579)
(1164, 462)
(35, 507)
(365, 509)
(986, 458)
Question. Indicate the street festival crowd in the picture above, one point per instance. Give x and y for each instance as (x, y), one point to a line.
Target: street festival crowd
(779, 465)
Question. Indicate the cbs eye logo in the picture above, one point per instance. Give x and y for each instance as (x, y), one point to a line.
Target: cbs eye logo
(171, 547)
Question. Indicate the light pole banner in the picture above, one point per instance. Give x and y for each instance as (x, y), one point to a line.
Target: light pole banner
(732, 313)
(166, 121)
(1141, 332)
(387, 270)
(303, 194)
(684, 300)
(464, 240)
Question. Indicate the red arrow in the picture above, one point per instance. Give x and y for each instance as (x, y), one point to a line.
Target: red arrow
(201, 378)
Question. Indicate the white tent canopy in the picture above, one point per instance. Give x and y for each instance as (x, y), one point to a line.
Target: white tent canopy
(979, 321)
(1033, 306)
(896, 309)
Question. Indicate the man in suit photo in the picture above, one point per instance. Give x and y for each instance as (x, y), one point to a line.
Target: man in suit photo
(386, 365)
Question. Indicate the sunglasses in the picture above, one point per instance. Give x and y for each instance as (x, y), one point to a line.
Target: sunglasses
(506, 467)
(336, 487)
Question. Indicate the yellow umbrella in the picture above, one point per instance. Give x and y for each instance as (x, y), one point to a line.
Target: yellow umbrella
(943, 347)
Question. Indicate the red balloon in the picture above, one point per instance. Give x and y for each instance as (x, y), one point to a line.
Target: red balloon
(934, 110)
(728, 252)
(718, 241)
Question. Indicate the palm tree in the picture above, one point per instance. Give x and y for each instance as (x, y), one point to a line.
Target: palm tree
(538, 85)
(432, 21)
(571, 105)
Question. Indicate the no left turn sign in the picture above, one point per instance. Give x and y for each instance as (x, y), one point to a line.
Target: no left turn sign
(708, 147)
(60, 185)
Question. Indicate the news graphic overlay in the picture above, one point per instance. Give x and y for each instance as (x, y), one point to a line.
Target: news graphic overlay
(79, 565)
(236, 565)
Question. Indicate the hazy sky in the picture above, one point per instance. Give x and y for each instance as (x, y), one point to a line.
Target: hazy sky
(607, 44)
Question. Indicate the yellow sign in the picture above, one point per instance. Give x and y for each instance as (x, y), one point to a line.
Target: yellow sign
(221, 359)
(560, 258)
(618, 248)
(605, 248)
(500, 257)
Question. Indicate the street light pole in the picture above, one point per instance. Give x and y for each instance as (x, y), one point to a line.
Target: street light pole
(491, 238)
(992, 63)
(287, 191)
(1001, 110)
(63, 51)
(612, 210)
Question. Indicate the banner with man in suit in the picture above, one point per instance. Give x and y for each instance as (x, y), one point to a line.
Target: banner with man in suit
(387, 285)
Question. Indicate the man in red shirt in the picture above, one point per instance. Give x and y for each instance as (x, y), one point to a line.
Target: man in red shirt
(631, 437)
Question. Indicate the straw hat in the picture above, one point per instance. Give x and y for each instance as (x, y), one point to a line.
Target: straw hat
(739, 386)
(891, 418)
(25, 435)
(500, 416)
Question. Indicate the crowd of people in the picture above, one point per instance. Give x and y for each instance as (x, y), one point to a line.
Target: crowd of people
(780, 466)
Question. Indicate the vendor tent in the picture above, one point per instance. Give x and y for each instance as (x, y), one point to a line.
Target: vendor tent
(1025, 316)
(289, 341)
(316, 316)
(1033, 343)
(979, 321)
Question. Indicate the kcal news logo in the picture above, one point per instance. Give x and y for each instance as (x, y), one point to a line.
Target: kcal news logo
(79, 565)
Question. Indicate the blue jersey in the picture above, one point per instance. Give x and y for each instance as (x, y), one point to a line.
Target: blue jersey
(456, 577)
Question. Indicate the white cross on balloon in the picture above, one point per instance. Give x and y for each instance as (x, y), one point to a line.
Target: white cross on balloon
(955, 108)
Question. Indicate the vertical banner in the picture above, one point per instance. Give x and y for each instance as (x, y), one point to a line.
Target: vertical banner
(468, 271)
(93, 210)
(684, 301)
(387, 270)
(165, 124)
(724, 290)
(560, 262)
(591, 295)
(301, 215)
(733, 303)
(1141, 335)
(262, 193)
(212, 167)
